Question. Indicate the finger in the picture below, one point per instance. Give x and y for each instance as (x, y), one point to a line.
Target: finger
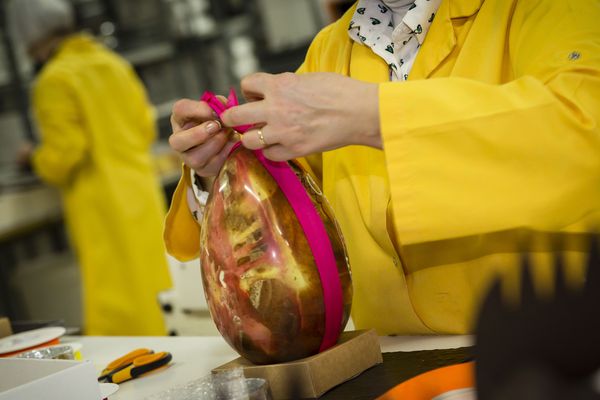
(251, 139)
(214, 165)
(246, 114)
(192, 123)
(255, 85)
(186, 110)
(279, 153)
(184, 140)
(198, 157)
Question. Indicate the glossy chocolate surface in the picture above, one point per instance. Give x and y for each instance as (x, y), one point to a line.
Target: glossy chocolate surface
(260, 278)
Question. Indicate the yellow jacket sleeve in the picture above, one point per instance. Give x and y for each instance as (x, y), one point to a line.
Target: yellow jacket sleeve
(64, 143)
(466, 157)
(182, 233)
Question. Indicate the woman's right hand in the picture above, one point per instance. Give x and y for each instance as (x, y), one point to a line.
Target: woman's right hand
(198, 137)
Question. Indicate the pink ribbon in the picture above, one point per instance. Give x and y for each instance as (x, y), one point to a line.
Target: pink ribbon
(311, 224)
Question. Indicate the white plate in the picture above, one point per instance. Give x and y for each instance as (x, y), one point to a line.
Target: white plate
(108, 389)
(24, 340)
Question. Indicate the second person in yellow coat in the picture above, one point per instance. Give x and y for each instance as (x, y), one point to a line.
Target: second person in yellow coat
(96, 130)
(465, 130)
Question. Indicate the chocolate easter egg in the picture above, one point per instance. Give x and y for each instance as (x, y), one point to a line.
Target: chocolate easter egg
(261, 281)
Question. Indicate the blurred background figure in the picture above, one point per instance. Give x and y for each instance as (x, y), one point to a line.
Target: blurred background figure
(97, 128)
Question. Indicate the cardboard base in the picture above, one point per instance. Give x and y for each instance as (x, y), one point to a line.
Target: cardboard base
(310, 377)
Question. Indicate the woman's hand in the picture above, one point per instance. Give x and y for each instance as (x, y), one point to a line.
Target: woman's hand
(307, 113)
(198, 137)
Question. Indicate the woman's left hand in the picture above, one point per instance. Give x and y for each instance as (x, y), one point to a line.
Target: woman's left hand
(306, 113)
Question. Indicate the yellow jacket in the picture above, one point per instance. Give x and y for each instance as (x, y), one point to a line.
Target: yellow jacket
(493, 143)
(97, 128)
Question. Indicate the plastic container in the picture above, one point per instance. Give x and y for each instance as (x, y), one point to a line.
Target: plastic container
(50, 353)
(229, 385)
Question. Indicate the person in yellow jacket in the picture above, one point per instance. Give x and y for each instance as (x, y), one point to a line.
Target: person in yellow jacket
(96, 130)
(447, 134)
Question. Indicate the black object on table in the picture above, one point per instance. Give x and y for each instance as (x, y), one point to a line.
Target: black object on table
(543, 348)
(396, 368)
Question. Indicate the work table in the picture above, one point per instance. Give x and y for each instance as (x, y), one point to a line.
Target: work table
(195, 356)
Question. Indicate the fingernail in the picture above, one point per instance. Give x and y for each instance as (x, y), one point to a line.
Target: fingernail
(212, 127)
(188, 125)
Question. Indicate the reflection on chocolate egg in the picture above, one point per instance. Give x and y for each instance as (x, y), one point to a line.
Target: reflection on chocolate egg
(261, 282)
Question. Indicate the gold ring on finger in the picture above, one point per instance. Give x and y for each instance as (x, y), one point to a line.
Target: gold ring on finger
(261, 137)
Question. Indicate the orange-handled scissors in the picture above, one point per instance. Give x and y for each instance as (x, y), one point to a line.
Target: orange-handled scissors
(134, 364)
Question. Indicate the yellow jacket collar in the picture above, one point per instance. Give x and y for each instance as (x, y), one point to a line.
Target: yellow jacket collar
(440, 39)
(457, 9)
(464, 8)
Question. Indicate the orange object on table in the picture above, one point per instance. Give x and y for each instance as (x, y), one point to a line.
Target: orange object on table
(434, 383)
(14, 353)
